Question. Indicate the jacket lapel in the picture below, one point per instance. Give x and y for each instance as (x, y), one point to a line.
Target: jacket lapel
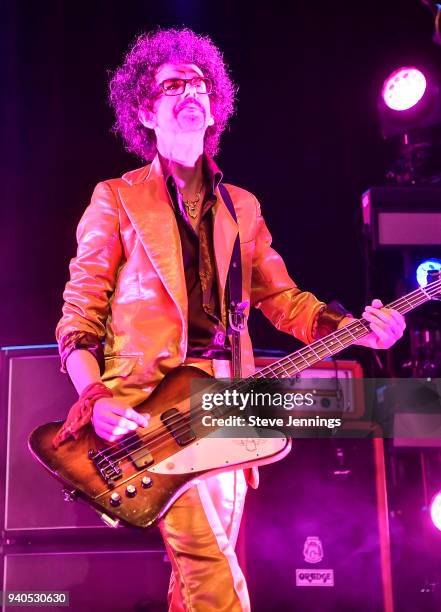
(224, 234)
(148, 207)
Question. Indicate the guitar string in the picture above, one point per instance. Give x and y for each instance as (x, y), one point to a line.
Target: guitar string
(182, 424)
(184, 419)
(359, 328)
(397, 304)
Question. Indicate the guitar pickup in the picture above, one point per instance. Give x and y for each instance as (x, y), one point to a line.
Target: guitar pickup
(136, 451)
(178, 426)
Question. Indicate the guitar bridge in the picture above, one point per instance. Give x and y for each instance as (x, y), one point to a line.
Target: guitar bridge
(108, 470)
(178, 426)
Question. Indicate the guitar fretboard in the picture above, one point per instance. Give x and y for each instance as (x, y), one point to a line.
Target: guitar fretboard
(342, 338)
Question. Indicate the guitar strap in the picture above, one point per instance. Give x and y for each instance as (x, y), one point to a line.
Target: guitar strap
(236, 307)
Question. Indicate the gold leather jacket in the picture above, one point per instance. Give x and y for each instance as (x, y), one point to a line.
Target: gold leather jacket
(127, 283)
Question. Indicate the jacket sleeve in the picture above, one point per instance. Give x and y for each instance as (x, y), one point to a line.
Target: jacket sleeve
(289, 308)
(92, 278)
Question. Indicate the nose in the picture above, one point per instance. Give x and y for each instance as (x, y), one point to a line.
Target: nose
(190, 89)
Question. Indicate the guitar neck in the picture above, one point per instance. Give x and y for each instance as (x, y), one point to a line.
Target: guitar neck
(342, 338)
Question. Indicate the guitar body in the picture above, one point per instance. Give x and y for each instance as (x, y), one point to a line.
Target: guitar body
(137, 480)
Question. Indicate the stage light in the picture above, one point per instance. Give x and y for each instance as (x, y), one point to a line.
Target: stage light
(410, 100)
(404, 88)
(423, 269)
(435, 510)
(409, 108)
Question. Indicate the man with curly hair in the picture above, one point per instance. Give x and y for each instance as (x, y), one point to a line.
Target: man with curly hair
(149, 279)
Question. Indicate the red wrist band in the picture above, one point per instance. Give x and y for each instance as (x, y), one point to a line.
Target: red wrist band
(81, 412)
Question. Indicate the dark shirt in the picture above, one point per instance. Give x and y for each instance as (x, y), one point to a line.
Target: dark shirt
(207, 338)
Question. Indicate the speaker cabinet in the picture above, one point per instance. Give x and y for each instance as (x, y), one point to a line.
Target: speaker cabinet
(34, 391)
(316, 532)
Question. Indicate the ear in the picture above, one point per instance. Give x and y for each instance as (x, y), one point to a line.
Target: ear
(147, 118)
(211, 121)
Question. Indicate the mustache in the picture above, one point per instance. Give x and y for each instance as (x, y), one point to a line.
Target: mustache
(188, 101)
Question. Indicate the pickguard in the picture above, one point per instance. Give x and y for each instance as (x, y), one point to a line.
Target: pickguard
(217, 451)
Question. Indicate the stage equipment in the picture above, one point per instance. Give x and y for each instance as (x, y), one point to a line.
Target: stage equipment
(410, 100)
(435, 510)
(435, 9)
(316, 531)
(319, 520)
(425, 268)
(397, 217)
(416, 418)
(414, 482)
(409, 109)
(333, 387)
(425, 350)
(33, 388)
(402, 229)
(404, 88)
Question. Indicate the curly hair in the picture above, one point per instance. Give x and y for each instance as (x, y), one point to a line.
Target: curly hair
(133, 84)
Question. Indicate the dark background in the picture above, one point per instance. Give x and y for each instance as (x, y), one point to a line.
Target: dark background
(305, 138)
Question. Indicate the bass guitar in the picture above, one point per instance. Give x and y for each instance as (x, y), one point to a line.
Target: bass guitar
(135, 480)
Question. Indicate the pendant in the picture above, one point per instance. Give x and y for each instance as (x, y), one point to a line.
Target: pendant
(191, 206)
(191, 211)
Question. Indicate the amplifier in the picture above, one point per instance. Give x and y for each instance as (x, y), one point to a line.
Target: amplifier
(35, 392)
(332, 384)
(402, 216)
(316, 531)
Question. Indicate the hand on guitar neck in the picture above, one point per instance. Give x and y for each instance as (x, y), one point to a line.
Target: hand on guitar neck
(387, 326)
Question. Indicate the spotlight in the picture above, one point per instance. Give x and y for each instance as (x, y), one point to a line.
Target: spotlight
(410, 118)
(435, 510)
(410, 100)
(424, 268)
(404, 88)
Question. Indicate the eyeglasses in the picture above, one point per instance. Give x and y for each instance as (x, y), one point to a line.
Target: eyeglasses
(175, 87)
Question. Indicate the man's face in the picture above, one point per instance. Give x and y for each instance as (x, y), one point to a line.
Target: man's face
(188, 111)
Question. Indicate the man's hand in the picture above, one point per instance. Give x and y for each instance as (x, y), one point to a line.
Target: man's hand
(387, 326)
(113, 419)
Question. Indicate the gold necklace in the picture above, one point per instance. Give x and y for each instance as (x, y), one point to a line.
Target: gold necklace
(191, 206)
